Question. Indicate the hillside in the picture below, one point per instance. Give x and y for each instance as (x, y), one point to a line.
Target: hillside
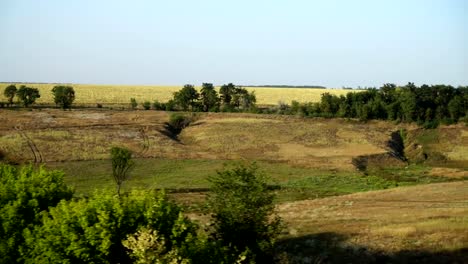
(406, 223)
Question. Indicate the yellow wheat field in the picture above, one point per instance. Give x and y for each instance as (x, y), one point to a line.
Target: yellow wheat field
(121, 94)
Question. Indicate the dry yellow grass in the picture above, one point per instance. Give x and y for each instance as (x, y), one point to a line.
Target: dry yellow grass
(430, 217)
(121, 94)
(87, 135)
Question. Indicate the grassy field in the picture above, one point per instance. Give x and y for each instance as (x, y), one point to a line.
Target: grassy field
(422, 224)
(90, 94)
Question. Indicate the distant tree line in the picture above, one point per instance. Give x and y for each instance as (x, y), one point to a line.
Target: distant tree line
(230, 98)
(26, 96)
(426, 105)
(289, 86)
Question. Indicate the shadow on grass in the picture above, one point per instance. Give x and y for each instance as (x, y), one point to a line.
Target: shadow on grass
(332, 248)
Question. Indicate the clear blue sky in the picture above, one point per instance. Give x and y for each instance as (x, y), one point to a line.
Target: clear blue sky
(331, 43)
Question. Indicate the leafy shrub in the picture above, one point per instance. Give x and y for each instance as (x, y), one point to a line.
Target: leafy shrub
(158, 106)
(177, 122)
(93, 230)
(170, 105)
(146, 105)
(25, 193)
(243, 213)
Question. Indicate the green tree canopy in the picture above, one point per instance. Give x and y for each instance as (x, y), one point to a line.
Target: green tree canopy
(186, 97)
(10, 92)
(243, 212)
(122, 163)
(209, 97)
(27, 95)
(24, 194)
(63, 96)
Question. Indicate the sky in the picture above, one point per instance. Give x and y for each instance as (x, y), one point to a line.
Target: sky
(333, 43)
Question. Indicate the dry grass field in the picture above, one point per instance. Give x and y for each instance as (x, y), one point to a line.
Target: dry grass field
(403, 222)
(58, 135)
(90, 94)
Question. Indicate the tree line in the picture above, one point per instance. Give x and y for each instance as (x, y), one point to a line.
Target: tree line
(26, 96)
(426, 105)
(231, 98)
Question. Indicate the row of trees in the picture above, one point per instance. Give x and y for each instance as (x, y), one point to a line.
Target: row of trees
(43, 223)
(63, 95)
(230, 98)
(426, 105)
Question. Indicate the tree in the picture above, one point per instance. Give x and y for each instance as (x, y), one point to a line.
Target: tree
(63, 96)
(10, 92)
(27, 95)
(209, 97)
(122, 163)
(456, 107)
(226, 92)
(25, 193)
(186, 97)
(243, 212)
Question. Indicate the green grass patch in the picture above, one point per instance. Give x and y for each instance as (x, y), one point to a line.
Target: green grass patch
(290, 183)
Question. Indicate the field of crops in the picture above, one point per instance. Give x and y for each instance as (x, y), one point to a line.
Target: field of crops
(121, 94)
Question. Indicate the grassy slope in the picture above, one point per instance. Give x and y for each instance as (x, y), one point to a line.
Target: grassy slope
(426, 218)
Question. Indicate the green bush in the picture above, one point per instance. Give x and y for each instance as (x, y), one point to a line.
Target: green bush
(146, 105)
(158, 106)
(243, 213)
(93, 230)
(25, 193)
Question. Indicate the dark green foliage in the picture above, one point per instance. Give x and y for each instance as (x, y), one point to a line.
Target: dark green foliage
(186, 98)
(27, 95)
(92, 230)
(159, 106)
(177, 122)
(146, 105)
(63, 96)
(10, 92)
(121, 164)
(426, 105)
(133, 103)
(209, 98)
(25, 193)
(243, 212)
(226, 92)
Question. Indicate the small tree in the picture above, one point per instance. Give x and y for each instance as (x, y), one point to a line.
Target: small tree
(27, 95)
(121, 164)
(243, 210)
(63, 96)
(10, 92)
(133, 103)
